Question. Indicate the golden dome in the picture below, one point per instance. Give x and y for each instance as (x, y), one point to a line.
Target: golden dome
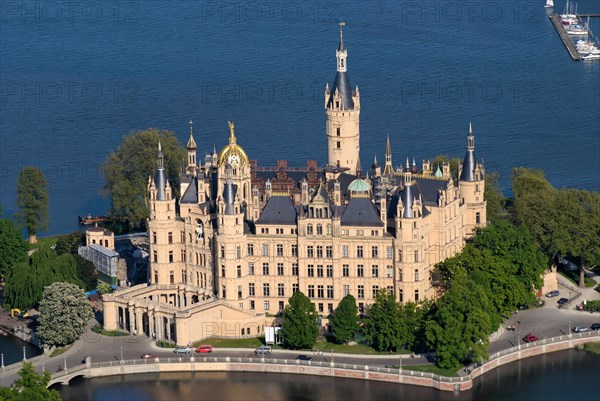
(233, 153)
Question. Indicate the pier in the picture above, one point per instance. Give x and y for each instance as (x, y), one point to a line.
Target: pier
(565, 37)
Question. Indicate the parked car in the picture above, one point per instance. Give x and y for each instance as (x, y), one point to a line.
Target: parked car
(553, 293)
(183, 350)
(580, 329)
(562, 301)
(304, 358)
(529, 338)
(522, 307)
(204, 349)
(596, 326)
(148, 356)
(262, 350)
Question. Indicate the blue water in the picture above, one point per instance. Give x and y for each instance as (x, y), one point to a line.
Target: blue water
(76, 77)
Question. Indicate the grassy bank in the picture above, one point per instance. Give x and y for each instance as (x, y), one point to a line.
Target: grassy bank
(44, 241)
(573, 277)
(592, 347)
(59, 351)
(232, 342)
(326, 346)
(433, 369)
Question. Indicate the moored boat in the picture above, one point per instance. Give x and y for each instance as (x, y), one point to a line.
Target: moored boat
(89, 219)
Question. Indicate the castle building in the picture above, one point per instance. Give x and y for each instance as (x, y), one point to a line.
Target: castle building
(247, 237)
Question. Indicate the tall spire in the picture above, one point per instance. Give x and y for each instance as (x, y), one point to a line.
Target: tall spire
(160, 177)
(468, 167)
(191, 145)
(388, 169)
(341, 44)
(358, 168)
(341, 53)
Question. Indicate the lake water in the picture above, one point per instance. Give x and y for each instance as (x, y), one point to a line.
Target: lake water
(565, 375)
(11, 348)
(77, 76)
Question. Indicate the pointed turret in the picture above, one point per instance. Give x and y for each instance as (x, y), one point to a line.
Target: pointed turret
(160, 177)
(469, 163)
(191, 145)
(358, 168)
(341, 86)
(191, 151)
(388, 169)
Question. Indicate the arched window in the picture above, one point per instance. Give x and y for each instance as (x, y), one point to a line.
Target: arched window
(319, 229)
(309, 229)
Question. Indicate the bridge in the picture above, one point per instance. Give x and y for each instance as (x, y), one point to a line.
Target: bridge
(320, 368)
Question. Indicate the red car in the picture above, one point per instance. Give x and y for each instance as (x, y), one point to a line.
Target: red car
(148, 356)
(529, 338)
(204, 349)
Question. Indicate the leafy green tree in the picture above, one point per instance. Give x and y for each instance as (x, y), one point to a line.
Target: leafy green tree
(127, 170)
(439, 160)
(300, 327)
(345, 320)
(64, 314)
(496, 202)
(30, 386)
(412, 324)
(32, 201)
(70, 243)
(458, 329)
(25, 284)
(104, 288)
(382, 328)
(13, 247)
(86, 272)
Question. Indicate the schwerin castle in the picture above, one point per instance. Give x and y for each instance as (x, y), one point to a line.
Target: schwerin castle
(246, 238)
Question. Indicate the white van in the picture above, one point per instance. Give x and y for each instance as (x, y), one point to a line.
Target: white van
(263, 350)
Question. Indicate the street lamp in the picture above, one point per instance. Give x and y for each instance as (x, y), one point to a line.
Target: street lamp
(121, 354)
(65, 362)
(569, 327)
(2, 361)
(24, 356)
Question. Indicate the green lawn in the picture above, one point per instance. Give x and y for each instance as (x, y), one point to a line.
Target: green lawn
(231, 342)
(44, 241)
(433, 369)
(592, 347)
(326, 346)
(58, 351)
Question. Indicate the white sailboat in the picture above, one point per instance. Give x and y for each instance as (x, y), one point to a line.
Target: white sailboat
(549, 3)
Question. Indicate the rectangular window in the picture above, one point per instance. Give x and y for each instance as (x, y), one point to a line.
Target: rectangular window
(184, 276)
(360, 271)
(294, 269)
(320, 291)
(330, 308)
(279, 249)
(477, 218)
(238, 252)
(399, 274)
(400, 296)
(251, 308)
(319, 251)
(266, 290)
(320, 308)
(239, 271)
(295, 250)
(390, 271)
(374, 252)
(359, 251)
(251, 290)
(154, 237)
(346, 290)
(319, 270)
(265, 269)
(329, 251)
(170, 256)
(183, 255)
(346, 270)
(330, 291)
(251, 268)
(361, 291)
(280, 306)
(239, 292)
(250, 249)
(399, 255)
(172, 277)
(310, 271)
(310, 251)
(311, 291)
(338, 131)
(329, 270)
(295, 288)
(416, 256)
(416, 295)
(267, 305)
(170, 235)
(280, 290)
(416, 274)
(339, 144)
(361, 307)
(222, 251)
(265, 250)
(309, 229)
(375, 290)
(375, 271)
(280, 269)
(345, 252)
(374, 233)
(279, 231)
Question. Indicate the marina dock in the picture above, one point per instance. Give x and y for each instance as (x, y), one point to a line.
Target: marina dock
(560, 29)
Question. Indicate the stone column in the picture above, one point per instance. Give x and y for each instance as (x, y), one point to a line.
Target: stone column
(132, 322)
(151, 323)
(168, 329)
(139, 321)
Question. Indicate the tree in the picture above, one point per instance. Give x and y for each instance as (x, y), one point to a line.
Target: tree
(30, 386)
(64, 314)
(86, 272)
(496, 202)
(382, 328)
(26, 282)
(70, 243)
(345, 319)
(13, 247)
(104, 288)
(127, 170)
(439, 160)
(300, 327)
(32, 201)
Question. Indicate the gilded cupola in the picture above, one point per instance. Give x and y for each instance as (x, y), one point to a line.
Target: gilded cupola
(233, 154)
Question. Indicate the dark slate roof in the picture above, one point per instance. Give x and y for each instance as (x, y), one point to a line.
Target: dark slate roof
(429, 187)
(278, 210)
(160, 180)
(361, 212)
(191, 193)
(344, 179)
(228, 196)
(406, 194)
(342, 83)
(468, 166)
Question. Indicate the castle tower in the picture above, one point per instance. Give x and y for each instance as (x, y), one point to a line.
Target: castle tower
(191, 152)
(388, 169)
(342, 111)
(471, 186)
(163, 228)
